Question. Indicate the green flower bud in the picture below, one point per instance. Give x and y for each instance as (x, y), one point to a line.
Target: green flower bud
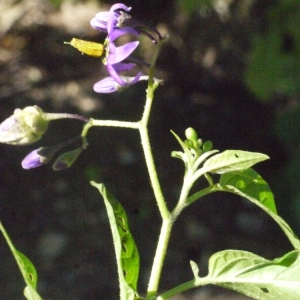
(65, 160)
(189, 144)
(207, 146)
(26, 126)
(191, 134)
(198, 144)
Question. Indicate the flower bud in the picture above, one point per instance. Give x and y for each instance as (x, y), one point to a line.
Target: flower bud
(26, 126)
(65, 160)
(191, 134)
(39, 157)
(207, 146)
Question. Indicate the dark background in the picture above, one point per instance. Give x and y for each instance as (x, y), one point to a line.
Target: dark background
(231, 71)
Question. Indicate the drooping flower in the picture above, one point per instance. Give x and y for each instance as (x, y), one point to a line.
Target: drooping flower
(117, 59)
(118, 22)
(26, 126)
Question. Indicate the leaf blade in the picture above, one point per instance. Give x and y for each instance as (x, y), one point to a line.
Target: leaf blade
(26, 267)
(256, 276)
(259, 193)
(127, 255)
(232, 160)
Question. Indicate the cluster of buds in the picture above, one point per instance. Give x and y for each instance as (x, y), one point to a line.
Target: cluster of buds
(116, 22)
(27, 126)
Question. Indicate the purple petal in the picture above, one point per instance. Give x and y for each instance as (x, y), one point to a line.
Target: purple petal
(106, 85)
(136, 79)
(117, 54)
(120, 67)
(32, 160)
(117, 32)
(113, 72)
(115, 75)
(111, 18)
(100, 21)
(119, 6)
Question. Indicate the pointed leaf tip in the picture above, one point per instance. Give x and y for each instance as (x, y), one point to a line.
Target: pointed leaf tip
(232, 160)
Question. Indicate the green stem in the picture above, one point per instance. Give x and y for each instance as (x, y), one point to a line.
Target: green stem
(186, 186)
(164, 212)
(159, 257)
(143, 128)
(177, 290)
(112, 123)
(165, 232)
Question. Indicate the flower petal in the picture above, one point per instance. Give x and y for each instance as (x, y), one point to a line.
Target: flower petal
(117, 32)
(117, 54)
(32, 160)
(105, 86)
(112, 16)
(111, 70)
(99, 22)
(120, 67)
(109, 85)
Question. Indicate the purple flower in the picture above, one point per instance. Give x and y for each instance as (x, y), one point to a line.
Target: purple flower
(116, 22)
(109, 85)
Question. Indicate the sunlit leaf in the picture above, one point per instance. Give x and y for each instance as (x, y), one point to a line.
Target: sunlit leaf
(126, 251)
(249, 182)
(251, 186)
(256, 276)
(232, 160)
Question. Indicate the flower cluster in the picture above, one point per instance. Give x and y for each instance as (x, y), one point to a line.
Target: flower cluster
(117, 59)
(27, 126)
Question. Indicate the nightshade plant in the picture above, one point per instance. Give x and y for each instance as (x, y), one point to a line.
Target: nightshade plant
(229, 171)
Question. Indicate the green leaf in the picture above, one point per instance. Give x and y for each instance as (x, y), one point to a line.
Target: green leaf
(251, 185)
(26, 267)
(126, 251)
(232, 160)
(256, 276)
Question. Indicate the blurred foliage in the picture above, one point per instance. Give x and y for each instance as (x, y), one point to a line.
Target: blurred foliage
(273, 74)
(288, 180)
(275, 58)
(191, 5)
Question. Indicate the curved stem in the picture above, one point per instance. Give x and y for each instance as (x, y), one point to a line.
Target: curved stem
(177, 290)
